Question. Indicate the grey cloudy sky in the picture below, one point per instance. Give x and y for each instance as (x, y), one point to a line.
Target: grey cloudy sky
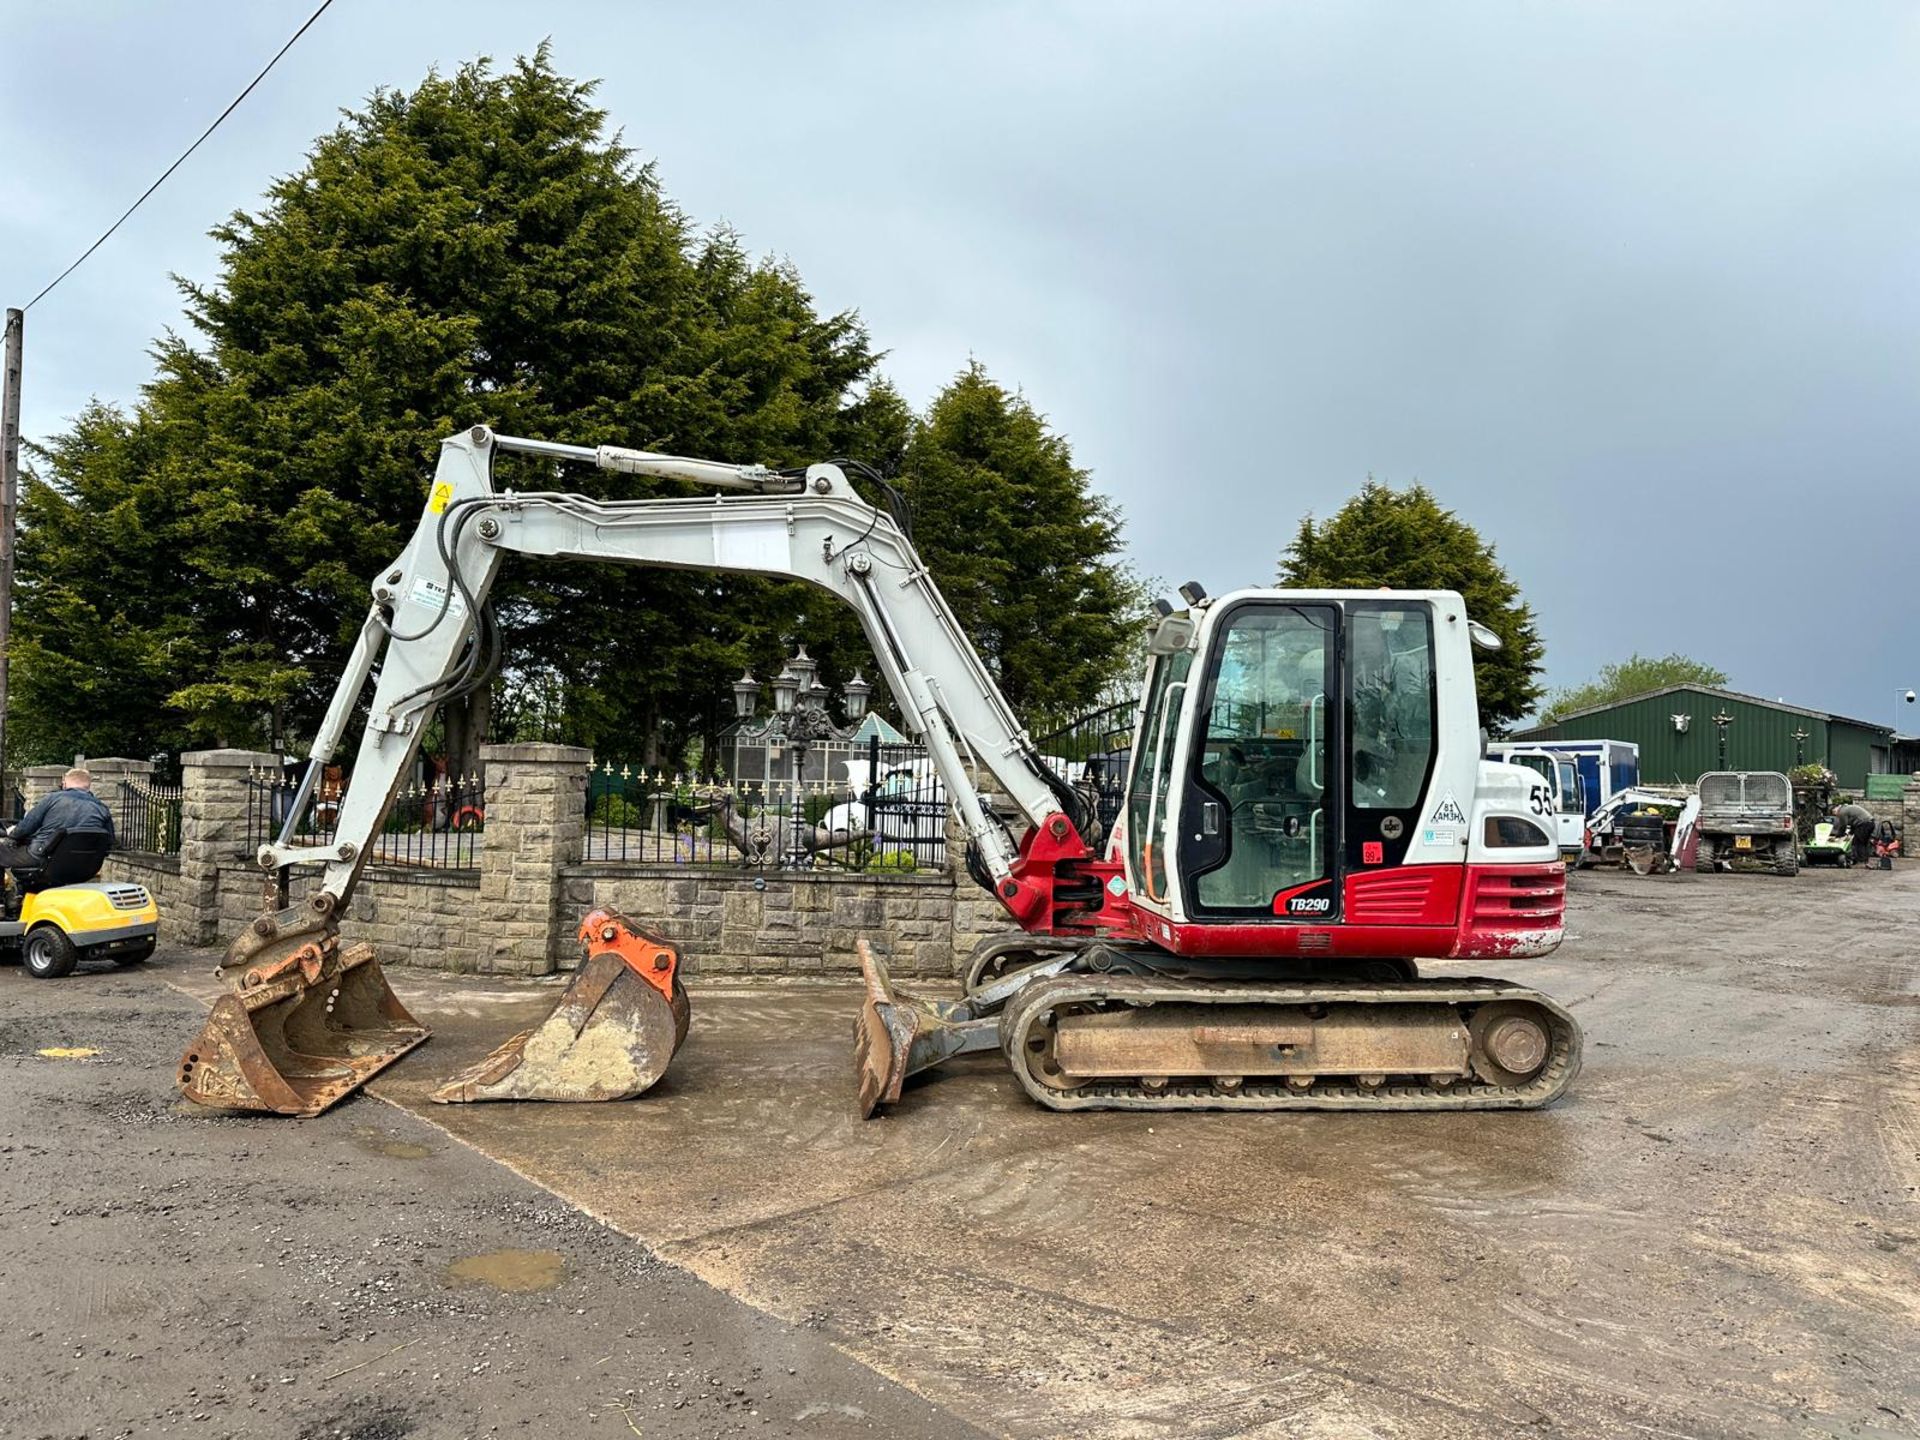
(1633, 287)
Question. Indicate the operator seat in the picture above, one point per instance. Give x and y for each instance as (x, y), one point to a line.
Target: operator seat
(73, 858)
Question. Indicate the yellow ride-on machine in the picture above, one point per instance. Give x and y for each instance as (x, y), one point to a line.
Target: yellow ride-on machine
(57, 914)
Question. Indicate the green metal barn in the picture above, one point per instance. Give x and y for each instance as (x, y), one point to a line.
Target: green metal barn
(1679, 732)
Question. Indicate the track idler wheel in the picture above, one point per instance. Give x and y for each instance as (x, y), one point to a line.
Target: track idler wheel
(1508, 1043)
(610, 1036)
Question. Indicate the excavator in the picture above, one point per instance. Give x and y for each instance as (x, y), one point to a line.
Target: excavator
(1307, 810)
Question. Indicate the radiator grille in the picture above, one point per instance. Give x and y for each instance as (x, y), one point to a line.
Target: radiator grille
(128, 897)
(1401, 899)
(1522, 900)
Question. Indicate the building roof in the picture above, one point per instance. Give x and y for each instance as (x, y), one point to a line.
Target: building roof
(1827, 715)
(876, 725)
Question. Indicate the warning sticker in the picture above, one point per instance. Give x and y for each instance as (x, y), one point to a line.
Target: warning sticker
(435, 596)
(442, 493)
(1447, 812)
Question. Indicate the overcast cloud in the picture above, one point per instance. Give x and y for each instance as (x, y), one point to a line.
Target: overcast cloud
(1633, 287)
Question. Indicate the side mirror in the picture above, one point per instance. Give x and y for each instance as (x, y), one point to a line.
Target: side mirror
(1482, 637)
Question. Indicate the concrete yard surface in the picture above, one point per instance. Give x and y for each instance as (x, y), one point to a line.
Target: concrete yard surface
(1716, 1234)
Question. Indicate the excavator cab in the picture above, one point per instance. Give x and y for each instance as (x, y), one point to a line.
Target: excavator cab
(1306, 814)
(1305, 771)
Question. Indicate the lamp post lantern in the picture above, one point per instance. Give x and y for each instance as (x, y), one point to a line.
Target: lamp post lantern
(853, 698)
(786, 686)
(800, 719)
(746, 696)
(803, 666)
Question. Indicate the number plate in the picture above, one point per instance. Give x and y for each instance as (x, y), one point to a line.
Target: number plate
(1743, 842)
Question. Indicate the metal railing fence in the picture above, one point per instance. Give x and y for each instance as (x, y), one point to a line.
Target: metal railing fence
(147, 818)
(1093, 753)
(437, 824)
(896, 823)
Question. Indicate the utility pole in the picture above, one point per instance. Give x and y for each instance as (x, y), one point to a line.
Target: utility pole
(9, 501)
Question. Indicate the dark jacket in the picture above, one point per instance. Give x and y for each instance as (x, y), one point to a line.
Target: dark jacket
(60, 812)
(1853, 816)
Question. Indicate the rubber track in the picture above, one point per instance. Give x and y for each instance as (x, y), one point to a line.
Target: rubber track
(1032, 1004)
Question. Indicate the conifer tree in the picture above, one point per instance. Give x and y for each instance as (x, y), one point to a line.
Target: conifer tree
(1407, 540)
(1025, 549)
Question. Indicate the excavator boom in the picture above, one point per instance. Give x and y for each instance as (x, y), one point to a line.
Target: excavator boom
(427, 631)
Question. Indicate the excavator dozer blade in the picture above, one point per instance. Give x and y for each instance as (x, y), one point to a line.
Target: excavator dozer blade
(610, 1036)
(300, 1036)
(898, 1035)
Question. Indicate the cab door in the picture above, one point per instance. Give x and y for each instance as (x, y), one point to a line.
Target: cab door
(1149, 822)
(1574, 801)
(1260, 817)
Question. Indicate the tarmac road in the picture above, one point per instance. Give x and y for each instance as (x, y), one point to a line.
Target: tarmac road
(361, 1276)
(1717, 1234)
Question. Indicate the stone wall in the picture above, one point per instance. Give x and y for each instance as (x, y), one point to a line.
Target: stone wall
(1904, 812)
(777, 922)
(518, 911)
(415, 917)
(161, 875)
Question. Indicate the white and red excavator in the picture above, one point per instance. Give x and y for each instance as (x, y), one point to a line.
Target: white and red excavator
(1307, 811)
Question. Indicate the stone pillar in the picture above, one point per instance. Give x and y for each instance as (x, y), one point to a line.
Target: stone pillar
(536, 823)
(39, 781)
(976, 912)
(1910, 814)
(213, 833)
(107, 774)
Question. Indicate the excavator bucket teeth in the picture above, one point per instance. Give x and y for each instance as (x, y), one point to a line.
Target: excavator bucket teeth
(610, 1036)
(300, 1040)
(898, 1035)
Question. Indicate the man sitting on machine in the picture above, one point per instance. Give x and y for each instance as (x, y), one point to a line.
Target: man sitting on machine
(71, 809)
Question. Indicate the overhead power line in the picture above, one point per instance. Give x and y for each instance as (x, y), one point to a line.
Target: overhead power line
(183, 157)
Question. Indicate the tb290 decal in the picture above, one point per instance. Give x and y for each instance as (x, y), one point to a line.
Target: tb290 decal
(1311, 901)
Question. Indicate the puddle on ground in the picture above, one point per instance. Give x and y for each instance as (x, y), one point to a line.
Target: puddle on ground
(388, 1145)
(517, 1271)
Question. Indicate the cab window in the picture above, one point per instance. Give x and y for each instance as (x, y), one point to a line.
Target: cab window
(1390, 690)
(1261, 823)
